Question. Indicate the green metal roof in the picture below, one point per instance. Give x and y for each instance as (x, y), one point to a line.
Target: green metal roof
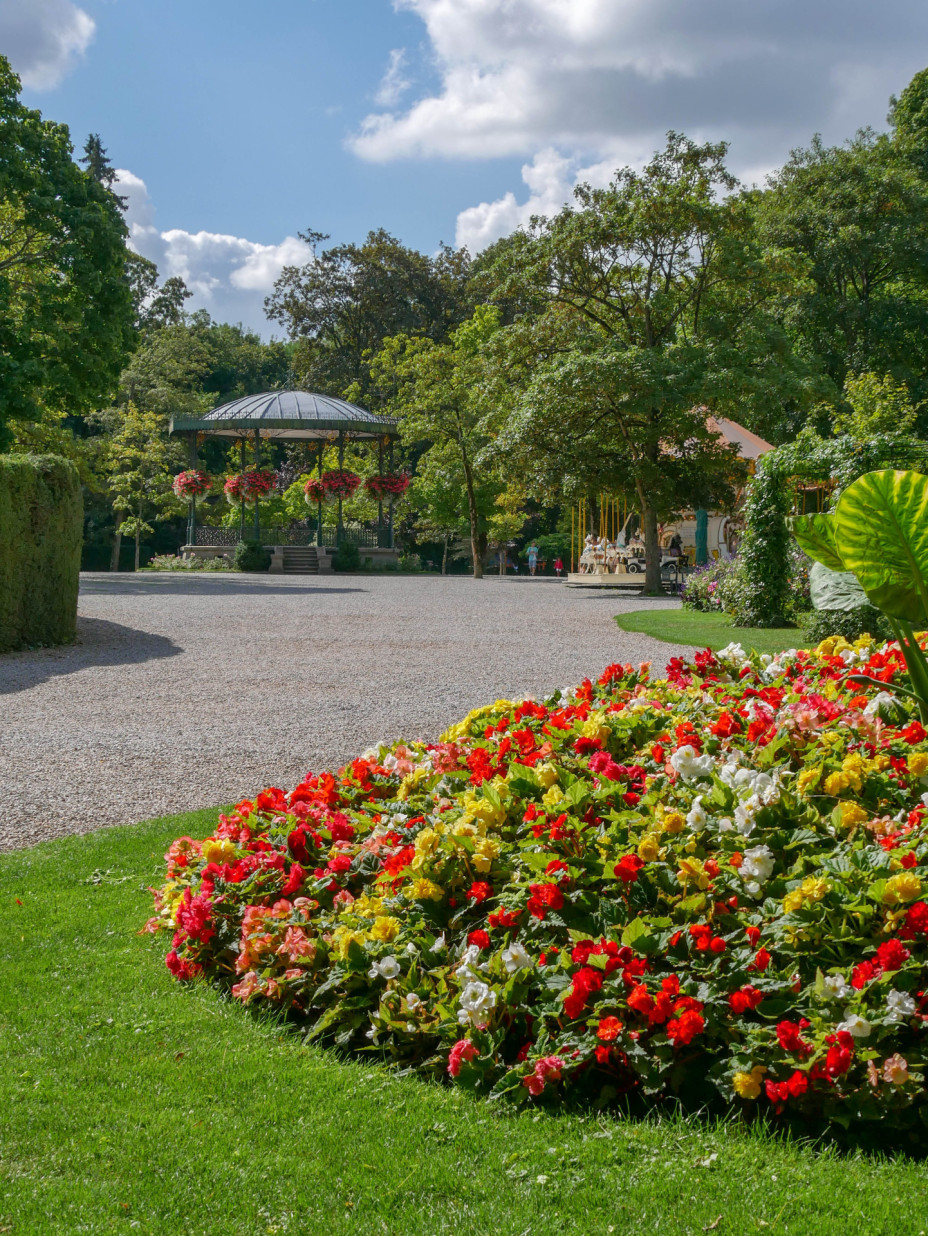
(290, 415)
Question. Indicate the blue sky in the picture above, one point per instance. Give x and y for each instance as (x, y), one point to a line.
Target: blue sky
(239, 124)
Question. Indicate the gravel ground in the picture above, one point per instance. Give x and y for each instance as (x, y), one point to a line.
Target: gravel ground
(188, 691)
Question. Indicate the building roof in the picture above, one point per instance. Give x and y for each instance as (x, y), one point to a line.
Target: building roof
(290, 415)
(750, 446)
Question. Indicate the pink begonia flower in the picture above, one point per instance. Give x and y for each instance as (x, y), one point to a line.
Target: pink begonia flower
(896, 1069)
(295, 945)
(547, 1069)
(461, 1051)
(245, 989)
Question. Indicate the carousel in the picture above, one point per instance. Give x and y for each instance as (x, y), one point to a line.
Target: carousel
(607, 548)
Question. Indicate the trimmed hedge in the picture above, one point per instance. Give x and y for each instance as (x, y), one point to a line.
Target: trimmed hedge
(41, 529)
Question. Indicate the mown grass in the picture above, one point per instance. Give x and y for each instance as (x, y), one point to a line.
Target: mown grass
(129, 1103)
(690, 626)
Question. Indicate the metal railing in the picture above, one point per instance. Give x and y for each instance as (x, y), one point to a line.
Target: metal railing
(352, 534)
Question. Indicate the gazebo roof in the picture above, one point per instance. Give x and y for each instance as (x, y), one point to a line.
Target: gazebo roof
(290, 415)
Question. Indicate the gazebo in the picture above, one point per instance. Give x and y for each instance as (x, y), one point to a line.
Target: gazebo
(293, 416)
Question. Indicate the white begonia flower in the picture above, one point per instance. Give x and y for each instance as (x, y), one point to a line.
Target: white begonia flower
(690, 766)
(412, 1001)
(411, 1027)
(899, 1005)
(836, 987)
(731, 652)
(758, 863)
(882, 699)
(477, 1004)
(387, 968)
(855, 1025)
(725, 825)
(440, 944)
(744, 816)
(516, 958)
(470, 964)
(696, 817)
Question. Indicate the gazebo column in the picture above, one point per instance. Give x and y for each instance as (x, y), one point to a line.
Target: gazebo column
(241, 501)
(380, 500)
(257, 503)
(391, 499)
(702, 537)
(319, 532)
(341, 464)
(192, 520)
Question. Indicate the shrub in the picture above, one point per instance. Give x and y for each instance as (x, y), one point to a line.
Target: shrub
(851, 624)
(175, 562)
(346, 558)
(709, 885)
(251, 556)
(41, 528)
(702, 587)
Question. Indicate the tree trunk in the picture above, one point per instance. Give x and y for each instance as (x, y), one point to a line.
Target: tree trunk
(117, 545)
(137, 535)
(476, 541)
(652, 552)
(444, 558)
(502, 559)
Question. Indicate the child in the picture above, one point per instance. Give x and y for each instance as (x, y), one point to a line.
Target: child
(558, 566)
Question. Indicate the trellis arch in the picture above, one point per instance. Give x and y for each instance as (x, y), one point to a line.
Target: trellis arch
(829, 463)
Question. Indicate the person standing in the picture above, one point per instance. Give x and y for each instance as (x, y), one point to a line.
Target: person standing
(558, 566)
(532, 558)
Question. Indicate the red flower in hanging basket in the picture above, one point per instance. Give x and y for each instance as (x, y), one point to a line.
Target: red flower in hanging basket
(340, 483)
(258, 483)
(234, 489)
(315, 490)
(192, 483)
(388, 487)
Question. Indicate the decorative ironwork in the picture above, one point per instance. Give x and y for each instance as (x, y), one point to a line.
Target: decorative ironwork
(352, 534)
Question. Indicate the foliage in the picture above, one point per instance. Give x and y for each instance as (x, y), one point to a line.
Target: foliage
(251, 556)
(139, 462)
(879, 533)
(121, 1038)
(348, 299)
(850, 624)
(656, 289)
(854, 220)
(65, 304)
(767, 597)
(877, 405)
(701, 588)
(435, 391)
(41, 521)
(705, 887)
(175, 562)
(347, 557)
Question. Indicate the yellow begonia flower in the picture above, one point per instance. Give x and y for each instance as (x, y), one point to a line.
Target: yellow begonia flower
(901, 889)
(553, 796)
(691, 871)
(813, 888)
(649, 848)
(220, 850)
(486, 849)
(385, 928)
(462, 728)
(673, 822)
(546, 774)
(424, 890)
(853, 814)
(830, 738)
(918, 763)
(807, 778)
(595, 727)
(747, 1085)
(342, 939)
(365, 907)
(410, 781)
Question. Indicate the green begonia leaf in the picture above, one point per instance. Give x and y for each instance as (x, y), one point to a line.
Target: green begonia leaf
(881, 530)
(816, 537)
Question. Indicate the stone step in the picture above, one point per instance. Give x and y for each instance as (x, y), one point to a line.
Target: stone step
(300, 560)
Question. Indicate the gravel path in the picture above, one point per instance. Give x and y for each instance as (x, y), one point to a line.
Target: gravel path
(187, 691)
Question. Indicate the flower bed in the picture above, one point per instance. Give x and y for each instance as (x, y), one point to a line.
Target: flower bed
(707, 885)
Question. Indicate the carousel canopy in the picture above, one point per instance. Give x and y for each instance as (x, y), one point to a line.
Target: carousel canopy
(289, 415)
(749, 445)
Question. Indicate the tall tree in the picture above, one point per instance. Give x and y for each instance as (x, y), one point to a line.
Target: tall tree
(347, 299)
(140, 461)
(656, 292)
(65, 299)
(100, 168)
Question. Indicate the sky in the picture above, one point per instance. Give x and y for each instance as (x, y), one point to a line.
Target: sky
(236, 125)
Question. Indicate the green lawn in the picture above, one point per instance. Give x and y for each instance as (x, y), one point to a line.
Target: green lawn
(689, 626)
(129, 1103)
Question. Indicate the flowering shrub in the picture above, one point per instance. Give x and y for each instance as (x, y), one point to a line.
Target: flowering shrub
(710, 884)
(340, 483)
(701, 587)
(174, 562)
(191, 484)
(388, 487)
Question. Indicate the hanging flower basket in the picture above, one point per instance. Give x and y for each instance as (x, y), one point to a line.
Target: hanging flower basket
(315, 491)
(234, 490)
(387, 488)
(191, 484)
(258, 483)
(340, 483)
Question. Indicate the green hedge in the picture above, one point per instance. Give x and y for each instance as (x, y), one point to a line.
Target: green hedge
(41, 528)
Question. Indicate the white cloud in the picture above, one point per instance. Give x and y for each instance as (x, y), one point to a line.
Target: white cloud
(569, 83)
(228, 275)
(43, 38)
(395, 83)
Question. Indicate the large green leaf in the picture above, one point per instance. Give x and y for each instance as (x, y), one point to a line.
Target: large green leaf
(881, 532)
(834, 589)
(816, 537)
